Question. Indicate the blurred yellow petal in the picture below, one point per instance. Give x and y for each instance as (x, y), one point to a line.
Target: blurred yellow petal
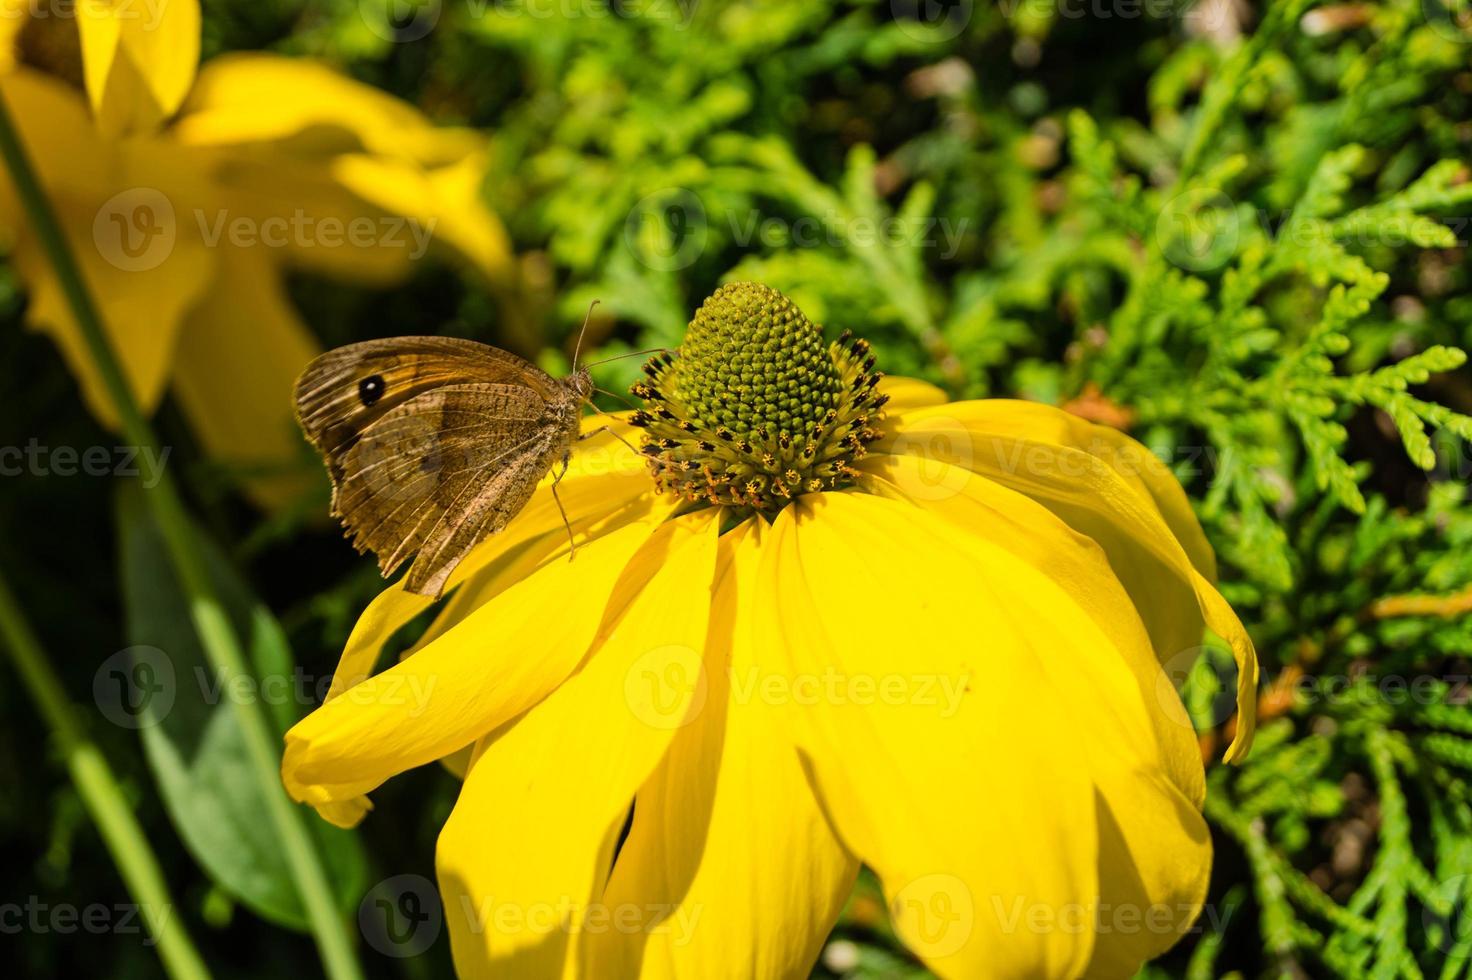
(526, 851)
(727, 833)
(310, 111)
(142, 311)
(366, 182)
(1112, 489)
(938, 706)
(138, 60)
(472, 678)
(14, 16)
(445, 203)
(307, 219)
(73, 160)
(238, 358)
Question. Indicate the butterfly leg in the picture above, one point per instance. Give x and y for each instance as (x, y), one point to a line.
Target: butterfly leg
(572, 546)
(609, 429)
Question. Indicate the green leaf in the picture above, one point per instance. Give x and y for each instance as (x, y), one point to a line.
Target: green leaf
(192, 740)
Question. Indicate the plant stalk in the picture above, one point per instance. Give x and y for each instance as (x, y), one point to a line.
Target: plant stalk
(216, 634)
(101, 795)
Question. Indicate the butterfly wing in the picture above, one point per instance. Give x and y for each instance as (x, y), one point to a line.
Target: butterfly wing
(432, 444)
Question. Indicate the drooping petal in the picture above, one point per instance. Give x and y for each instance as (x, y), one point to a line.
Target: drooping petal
(239, 354)
(605, 487)
(728, 843)
(980, 507)
(474, 677)
(527, 850)
(1109, 487)
(938, 704)
(1154, 849)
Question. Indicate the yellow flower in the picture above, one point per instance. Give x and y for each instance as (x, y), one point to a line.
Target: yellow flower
(186, 199)
(930, 642)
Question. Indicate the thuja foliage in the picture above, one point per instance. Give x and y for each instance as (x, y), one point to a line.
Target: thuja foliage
(1237, 230)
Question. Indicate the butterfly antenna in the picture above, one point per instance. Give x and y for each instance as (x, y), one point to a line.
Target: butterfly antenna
(579, 348)
(612, 394)
(632, 353)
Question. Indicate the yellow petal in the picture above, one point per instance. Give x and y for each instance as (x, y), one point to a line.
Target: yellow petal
(527, 849)
(138, 60)
(906, 394)
(312, 111)
(939, 703)
(1154, 868)
(1112, 489)
(977, 506)
(1155, 850)
(445, 203)
(238, 358)
(73, 161)
(366, 180)
(484, 671)
(605, 487)
(728, 841)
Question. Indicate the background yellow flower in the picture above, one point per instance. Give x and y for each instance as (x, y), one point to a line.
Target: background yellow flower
(188, 198)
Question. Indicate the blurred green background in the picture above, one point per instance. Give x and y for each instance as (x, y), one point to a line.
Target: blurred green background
(1237, 229)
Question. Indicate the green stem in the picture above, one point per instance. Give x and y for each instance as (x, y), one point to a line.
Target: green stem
(221, 645)
(102, 796)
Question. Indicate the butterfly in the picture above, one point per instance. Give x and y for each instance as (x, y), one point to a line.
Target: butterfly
(435, 443)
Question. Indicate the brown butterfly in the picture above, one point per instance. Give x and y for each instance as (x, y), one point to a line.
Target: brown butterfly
(434, 443)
